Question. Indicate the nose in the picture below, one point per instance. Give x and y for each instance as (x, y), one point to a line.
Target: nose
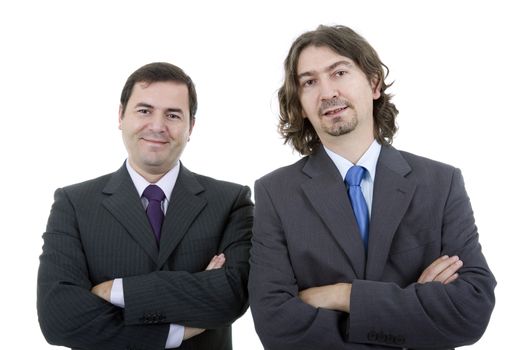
(327, 89)
(157, 122)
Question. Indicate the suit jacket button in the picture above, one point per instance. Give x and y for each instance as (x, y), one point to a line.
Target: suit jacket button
(399, 340)
(372, 336)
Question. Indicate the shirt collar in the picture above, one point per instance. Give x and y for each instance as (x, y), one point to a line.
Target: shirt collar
(166, 182)
(367, 161)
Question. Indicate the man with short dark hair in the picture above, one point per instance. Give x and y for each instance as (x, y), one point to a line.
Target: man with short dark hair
(152, 256)
(359, 245)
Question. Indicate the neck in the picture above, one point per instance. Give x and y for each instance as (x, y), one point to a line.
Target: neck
(152, 175)
(151, 178)
(350, 147)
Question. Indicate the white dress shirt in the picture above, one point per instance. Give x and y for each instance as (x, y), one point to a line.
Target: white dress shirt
(166, 183)
(367, 161)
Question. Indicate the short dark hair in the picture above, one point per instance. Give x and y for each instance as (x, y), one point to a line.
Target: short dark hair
(156, 72)
(298, 131)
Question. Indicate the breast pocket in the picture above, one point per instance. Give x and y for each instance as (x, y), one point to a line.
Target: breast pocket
(410, 253)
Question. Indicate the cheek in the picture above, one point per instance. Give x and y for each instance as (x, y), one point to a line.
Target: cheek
(308, 106)
(179, 133)
(131, 125)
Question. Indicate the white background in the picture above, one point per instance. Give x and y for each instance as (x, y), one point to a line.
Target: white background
(458, 71)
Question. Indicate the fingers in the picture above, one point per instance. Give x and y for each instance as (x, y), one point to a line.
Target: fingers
(444, 270)
(190, 332)
(449, 274)
(103, 290)
(216, 262)
(451, 278)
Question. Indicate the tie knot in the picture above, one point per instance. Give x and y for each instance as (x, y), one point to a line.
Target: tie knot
(355, 175)
(154, 193)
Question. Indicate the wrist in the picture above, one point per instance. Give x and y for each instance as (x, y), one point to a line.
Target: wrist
(344, 291)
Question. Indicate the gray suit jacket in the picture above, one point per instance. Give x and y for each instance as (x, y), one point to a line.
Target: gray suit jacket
(305, 235)
(98, 231)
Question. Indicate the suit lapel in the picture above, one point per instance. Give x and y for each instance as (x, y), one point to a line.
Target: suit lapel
(124, 204)
(327, 194)
(392, 195)
(184, 206)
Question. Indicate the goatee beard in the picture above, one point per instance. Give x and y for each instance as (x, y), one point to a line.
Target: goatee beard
(340, 127)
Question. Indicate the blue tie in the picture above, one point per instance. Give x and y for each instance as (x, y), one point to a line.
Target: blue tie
(353, 180)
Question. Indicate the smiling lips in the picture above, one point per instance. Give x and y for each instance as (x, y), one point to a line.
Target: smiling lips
(335, 111)
(160, 142)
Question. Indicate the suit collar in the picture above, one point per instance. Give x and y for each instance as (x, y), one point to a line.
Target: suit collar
(394, 160)
(368, 160)
(166, 182)
(185, 205)
(124, 203)
(327, 194)
(393, 192)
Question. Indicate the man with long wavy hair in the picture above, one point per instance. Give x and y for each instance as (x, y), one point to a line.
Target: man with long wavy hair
(359, 245)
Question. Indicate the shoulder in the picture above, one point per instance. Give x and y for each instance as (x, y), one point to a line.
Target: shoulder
(434, 173)
(417, 161)
(285, 173)
(220, 188)
(87, 187)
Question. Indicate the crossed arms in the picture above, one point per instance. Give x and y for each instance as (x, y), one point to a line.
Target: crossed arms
(337, 296)
(71, 315)
(302, 295)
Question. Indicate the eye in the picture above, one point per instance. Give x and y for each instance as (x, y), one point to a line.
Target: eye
(173, 116)
(143, 111)
(308, 83)
(340, 73)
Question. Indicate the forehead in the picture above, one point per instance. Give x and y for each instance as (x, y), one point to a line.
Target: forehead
(161, 94)
(314, 59)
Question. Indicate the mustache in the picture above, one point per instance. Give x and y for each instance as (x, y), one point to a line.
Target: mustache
(333, 103)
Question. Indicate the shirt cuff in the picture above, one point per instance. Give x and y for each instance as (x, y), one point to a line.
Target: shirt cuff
(117, 293)
(175, 336)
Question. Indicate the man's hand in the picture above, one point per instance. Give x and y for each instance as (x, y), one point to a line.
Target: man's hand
(332, 296)
(337, 296)
(216, 262)
(103, 290)
(443, 269)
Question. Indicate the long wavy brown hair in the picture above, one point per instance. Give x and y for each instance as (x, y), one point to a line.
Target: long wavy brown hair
(298, 131)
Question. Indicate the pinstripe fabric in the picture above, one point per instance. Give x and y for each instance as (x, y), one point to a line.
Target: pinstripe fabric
(98, 230)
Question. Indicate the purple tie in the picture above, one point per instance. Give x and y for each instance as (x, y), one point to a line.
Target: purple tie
(155, 196)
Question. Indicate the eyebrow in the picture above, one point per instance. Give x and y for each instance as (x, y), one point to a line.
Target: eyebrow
(142, 104)
(327, 69)
(147, 105)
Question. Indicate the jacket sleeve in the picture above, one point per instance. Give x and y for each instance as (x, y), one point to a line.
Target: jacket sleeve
(431, 315)
(207, 299)
(69, 314)
(281, 319)
(382, 314)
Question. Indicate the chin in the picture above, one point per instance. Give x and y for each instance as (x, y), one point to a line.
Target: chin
(341, 128)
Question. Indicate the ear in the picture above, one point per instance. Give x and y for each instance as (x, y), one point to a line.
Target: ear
(120, 116)
(192, 124)
(376, 87)
(303, 114)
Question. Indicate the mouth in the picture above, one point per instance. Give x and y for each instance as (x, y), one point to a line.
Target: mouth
(155, 142)
(334, 111)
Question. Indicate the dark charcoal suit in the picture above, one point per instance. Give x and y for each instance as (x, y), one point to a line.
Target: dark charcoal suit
(98, 230)
(305, 235)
